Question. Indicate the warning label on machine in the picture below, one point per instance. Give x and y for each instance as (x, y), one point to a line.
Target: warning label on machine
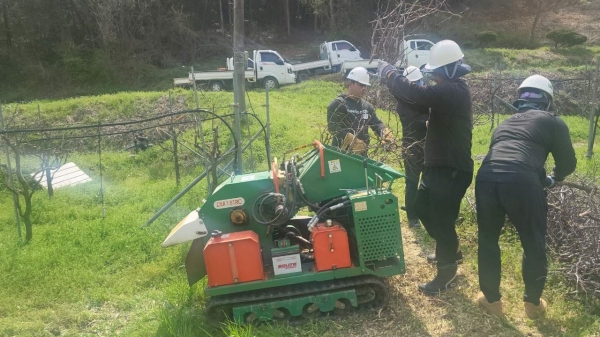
(360, 206)
(287, 264)
(228, 203)
(334, 166)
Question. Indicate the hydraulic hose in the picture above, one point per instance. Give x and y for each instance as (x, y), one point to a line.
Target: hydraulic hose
(324, 210)
(298, 189)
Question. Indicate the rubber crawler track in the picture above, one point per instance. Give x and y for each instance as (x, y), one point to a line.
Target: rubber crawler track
(220, 308)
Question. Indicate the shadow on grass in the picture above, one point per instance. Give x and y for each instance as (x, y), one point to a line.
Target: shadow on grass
(456, 309)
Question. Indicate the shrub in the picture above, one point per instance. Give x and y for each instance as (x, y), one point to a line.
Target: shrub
(486, 37)
(468, 45)
(565, 38)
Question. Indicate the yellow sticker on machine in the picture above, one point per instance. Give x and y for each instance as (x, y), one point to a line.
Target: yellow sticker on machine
(360, 206)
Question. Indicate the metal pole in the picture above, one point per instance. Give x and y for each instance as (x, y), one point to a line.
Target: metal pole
(590, 150)
(10, 179)
(195, 89)
(201, 132)
(239, 76)
(494, 90)
(175, 198)
(174, 135)
(268, 126)
(506, 104)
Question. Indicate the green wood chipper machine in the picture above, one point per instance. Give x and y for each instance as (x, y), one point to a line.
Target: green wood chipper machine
(314, 235)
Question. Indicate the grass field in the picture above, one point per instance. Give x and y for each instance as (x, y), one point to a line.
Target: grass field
(84, 275)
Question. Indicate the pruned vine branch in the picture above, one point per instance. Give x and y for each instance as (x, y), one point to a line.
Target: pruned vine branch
(573, 233)
(395, 19)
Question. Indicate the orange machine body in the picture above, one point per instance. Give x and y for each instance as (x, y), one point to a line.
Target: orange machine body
(331, 247)
(233, 258)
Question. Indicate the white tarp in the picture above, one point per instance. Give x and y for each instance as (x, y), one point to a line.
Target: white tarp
(67, 175)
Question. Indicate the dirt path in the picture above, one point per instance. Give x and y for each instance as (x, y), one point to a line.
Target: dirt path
(455, 313)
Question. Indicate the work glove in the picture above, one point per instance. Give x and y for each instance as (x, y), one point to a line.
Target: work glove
(384, 70)
(387, 138)
(352, 144)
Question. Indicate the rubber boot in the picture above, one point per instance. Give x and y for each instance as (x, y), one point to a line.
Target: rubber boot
(445, 279)
(432, 258)
(535, 311)
(494, 308)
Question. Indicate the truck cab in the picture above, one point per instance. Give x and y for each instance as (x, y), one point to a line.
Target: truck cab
(338, 52)
(416, 53)
(272, 70)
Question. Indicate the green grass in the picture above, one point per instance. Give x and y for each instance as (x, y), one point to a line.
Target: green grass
(85, 275)
(567, 59)
(138, 77)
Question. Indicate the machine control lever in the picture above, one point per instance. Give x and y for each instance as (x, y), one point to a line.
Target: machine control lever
(365, 164)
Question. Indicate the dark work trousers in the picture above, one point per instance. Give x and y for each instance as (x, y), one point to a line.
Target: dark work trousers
(438, 204)
(414, 156)
(527, 208)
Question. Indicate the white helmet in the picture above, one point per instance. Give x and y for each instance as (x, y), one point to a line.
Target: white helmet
(529, 93)
(412, 73)
(537, 82)
(360, 75)
(443, 53)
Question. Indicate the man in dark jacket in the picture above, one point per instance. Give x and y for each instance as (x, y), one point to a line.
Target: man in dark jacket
(414, 129)
(349, 116)
(448, 164)
(511, 182)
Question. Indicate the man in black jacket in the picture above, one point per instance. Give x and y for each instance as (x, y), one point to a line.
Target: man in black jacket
(511, 182)
(414, 129)
(349, 116)
(448, 164)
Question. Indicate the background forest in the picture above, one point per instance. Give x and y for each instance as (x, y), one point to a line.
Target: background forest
(59, 48)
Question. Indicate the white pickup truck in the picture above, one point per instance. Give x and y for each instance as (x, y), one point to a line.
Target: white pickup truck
(331, 56)
(416, 53)
(266, 69)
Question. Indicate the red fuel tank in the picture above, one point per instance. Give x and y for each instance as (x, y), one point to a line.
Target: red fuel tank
(233, 258)
(330, 245)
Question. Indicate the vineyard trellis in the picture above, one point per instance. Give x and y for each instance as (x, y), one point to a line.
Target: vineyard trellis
(217, 154)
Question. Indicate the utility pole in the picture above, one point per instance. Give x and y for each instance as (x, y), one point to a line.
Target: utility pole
(239, 76)
(591, 133)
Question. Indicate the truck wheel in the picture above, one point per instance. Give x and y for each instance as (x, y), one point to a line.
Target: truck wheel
(215, 86)
(271, 83)
(303, 76)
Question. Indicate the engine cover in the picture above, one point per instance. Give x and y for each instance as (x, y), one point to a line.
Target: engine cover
(233, 258)
(331, 247)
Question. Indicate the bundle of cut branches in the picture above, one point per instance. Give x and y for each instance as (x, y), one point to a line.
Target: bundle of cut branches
(574, 233)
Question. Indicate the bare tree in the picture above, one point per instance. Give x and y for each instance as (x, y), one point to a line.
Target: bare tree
(26, 184)
(543, 7)
(5, 19)
(25, 188)
(49, 152)
(286, 8)
(393, 20)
